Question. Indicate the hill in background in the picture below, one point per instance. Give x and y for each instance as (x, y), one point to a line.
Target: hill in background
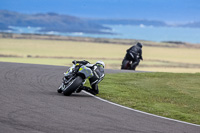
(48, 22)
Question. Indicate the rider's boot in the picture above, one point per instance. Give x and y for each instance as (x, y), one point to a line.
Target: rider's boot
(134, 65)
(88, 89)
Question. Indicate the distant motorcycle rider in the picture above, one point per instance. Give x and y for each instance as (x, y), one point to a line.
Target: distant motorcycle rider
(98, 75)
(134, 54)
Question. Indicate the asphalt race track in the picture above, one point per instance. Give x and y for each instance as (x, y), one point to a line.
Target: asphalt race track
(29, 103)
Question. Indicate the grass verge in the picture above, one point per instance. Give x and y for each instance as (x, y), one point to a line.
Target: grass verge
(170, 95)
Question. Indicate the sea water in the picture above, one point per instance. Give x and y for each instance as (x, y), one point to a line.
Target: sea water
(158, 34)
(151, 33)
(140, 32)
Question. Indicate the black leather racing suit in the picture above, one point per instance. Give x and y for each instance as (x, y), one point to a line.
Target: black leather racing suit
(134, 54)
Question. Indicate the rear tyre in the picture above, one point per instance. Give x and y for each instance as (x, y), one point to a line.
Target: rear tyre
(125, 64)
(72, 86)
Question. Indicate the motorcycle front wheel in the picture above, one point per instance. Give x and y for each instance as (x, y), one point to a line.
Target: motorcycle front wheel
(72, 86)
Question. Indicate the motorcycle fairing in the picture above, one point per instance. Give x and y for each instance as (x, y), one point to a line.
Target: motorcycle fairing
(86, 71)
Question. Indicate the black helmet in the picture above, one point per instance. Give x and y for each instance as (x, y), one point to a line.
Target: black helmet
(139, 44)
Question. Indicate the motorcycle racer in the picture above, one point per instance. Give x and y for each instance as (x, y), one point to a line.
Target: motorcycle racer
(98, 72)
(134, 54)
(96, 77)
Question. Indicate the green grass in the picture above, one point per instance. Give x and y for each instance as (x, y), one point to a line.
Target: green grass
(171, 95)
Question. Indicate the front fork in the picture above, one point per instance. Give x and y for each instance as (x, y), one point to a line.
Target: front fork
(62, 86)
(65, 82)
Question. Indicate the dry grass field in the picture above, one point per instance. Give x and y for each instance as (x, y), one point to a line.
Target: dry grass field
(159, 58)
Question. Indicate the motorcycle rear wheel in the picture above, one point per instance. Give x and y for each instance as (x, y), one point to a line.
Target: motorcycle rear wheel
(125, 64)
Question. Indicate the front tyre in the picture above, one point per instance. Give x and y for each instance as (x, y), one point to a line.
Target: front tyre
(72, 86)
(59, 91)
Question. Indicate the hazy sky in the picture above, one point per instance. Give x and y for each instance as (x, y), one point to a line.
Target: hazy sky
(166, 10)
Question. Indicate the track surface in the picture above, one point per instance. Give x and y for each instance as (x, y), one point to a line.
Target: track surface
(29, 103)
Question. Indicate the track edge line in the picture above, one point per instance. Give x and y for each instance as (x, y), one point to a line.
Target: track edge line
(140, 111)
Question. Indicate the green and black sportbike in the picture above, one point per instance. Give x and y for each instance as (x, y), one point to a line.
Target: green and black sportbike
(75, 77)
